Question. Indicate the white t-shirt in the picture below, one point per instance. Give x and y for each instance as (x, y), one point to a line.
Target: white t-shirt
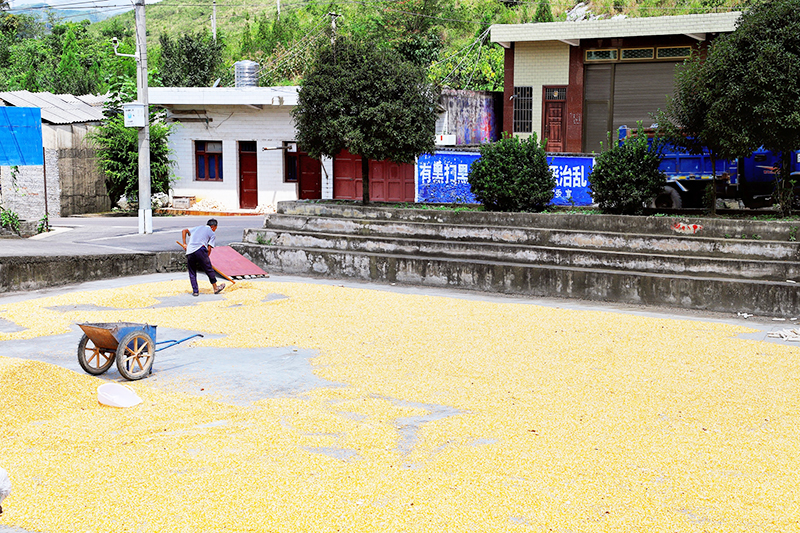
(199, 237)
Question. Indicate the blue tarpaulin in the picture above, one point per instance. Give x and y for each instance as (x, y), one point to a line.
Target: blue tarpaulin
(20, 136)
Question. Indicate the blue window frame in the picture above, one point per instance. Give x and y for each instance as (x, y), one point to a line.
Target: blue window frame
(208, 158)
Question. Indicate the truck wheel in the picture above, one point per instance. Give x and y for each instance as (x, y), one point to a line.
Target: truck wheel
(668, 198)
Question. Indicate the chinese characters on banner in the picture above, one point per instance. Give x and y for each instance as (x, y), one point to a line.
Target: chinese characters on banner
(442, 178)
(572, 183)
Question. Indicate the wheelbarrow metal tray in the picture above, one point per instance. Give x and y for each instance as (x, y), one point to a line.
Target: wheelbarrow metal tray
(106, 335)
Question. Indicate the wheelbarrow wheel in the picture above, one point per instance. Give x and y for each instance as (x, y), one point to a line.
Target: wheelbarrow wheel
(135, 355)
(92, 359)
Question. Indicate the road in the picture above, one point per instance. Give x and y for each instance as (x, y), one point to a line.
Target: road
(108, 235)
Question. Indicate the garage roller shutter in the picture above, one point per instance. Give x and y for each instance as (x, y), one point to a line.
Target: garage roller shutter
(641, 89)
(596, 107)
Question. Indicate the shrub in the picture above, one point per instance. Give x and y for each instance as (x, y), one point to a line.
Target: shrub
(512, 175)
(9, 219)
(626, 177)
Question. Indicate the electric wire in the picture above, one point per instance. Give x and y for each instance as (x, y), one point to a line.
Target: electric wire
(290, 54)
(477, 59)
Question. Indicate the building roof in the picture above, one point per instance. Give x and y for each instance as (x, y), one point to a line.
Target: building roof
(202, 96)
(695, 26)
(61, 109)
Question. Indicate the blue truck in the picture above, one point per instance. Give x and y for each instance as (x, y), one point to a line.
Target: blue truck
(750, 180)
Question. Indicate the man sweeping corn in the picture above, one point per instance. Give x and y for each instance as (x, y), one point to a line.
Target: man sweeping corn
(198, 248)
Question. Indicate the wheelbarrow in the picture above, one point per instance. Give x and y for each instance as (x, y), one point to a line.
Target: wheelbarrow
(132, 345)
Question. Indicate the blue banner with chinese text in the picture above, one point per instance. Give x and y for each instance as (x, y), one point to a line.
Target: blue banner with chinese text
(442, 178)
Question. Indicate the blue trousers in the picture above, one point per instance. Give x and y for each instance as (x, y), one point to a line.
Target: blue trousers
(199, 260)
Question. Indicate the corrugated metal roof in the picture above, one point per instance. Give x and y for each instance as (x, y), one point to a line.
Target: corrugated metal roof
(55, 109)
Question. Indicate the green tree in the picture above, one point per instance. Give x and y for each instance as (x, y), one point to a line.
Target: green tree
(625, 178)
(368, 101)
(71, 76)
(246, 46)
(190, 60)
(512, 175)
(118, 149)
(543, 12)
(687, 121)
(758, 65)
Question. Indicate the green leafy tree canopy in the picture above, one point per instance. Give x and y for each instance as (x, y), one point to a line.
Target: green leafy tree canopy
(118, 148)
(688, 122)
(368, 101)
(190, 60)
(758, 68)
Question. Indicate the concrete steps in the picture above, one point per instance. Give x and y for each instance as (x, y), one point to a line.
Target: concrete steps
(643, 260)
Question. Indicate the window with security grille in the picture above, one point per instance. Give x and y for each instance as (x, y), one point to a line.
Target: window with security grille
(636, 53)
(555, 93)
(523, 109)
(601, 55)
(674, 52)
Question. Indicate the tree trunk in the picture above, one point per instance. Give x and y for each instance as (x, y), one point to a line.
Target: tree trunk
(786, 194)
(713, 184)
(364, 180)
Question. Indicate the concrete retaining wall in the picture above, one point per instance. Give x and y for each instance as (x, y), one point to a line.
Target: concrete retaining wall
(773, 230)
(31, 273)
(724, 265)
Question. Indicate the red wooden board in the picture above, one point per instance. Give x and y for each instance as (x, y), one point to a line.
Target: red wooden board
(231, 263)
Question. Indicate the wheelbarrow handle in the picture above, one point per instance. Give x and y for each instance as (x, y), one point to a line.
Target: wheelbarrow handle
(171, 343)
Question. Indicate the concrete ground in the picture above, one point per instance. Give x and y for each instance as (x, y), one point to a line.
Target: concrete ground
(87, 235)
(239, 376)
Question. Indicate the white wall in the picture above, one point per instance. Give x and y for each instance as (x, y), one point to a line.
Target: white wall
(269, 127)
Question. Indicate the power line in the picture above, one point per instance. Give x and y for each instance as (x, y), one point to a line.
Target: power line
(292, 52)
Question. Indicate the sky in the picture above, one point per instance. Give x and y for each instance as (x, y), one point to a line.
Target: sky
(77, 4)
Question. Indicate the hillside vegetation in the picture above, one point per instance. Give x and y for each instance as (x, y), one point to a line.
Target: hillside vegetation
(449, 37)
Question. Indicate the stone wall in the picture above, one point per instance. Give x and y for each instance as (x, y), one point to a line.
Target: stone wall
(22, 189)
(83, 188)
(75, 185)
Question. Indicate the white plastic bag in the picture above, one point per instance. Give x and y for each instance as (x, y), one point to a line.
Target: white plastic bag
(5, 486)
(117, 395)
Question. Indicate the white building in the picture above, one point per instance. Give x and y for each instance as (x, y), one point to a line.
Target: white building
(236, 146)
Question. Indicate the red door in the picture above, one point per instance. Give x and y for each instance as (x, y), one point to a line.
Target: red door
(388, 181)
(554, 127)
(554, 124)
(347, 177)
(310, 177)
(248, 175)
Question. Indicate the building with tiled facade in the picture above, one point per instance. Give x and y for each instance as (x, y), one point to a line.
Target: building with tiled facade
(573, 82)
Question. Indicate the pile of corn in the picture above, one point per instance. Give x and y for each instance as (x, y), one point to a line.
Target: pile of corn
(562, 420)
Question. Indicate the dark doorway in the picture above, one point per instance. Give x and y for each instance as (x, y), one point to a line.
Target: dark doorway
(248, 175)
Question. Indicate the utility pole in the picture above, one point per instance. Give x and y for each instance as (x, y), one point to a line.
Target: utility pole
(145, 210)
(214, 20)
(279, 9)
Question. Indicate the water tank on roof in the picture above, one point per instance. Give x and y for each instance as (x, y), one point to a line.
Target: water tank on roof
(246, 73)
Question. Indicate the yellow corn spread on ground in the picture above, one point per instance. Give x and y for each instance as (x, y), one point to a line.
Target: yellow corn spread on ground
(559, 421)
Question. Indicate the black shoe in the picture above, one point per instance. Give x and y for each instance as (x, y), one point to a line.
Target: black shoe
(195, 294)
